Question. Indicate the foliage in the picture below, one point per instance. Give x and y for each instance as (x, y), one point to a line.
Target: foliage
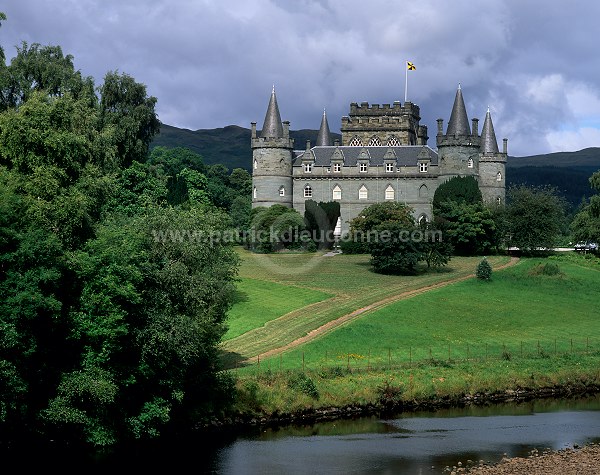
(458, 190)
(320, 221)
(586, 224)
(466, 222)
(548, 268)
(470, 228)
(536, 218)
(275, 228)
(109, 321)
(483, 270)
(301, 382)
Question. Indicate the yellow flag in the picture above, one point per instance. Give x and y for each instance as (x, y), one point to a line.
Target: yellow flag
(410, 66)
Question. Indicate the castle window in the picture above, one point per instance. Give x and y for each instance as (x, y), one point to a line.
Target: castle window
(337, 193)
(255, 164)
(363, 193)
(389, 193)
(499, 176)
(393, 142)
(254, 193)
(423, 191)
(363, 167)
(281, 191)
(470, 163)
(422, 167)
(499, 200)
(308, 168)
(337, 167)
(389, 167)
(308, 191)
(355, 142)
(375, 142)
(422, 220)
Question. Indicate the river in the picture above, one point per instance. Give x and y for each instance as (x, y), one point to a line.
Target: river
(411, 443)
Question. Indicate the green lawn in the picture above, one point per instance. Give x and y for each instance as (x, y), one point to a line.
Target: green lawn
(259, 302)
(512, 314)
(348, 279)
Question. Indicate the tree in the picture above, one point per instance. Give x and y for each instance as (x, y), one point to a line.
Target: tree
(320, 220)
(129, 112)
(275, 228)
(466, 222)
(536, 217)
(586, 224)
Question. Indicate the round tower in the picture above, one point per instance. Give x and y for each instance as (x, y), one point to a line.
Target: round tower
(458, 149)
(272, 154)
(492, 164)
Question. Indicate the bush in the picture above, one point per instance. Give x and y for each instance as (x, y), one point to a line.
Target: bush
(548, 268)
(303, 383)
(484, 270)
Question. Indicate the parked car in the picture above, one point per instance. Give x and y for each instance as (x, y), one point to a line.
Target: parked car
(586, 246)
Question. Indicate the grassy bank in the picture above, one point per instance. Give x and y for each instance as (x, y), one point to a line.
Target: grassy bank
(348, 279)
(532, 327)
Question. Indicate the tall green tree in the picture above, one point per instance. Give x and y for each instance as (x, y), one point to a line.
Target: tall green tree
(536, 218)
(586, 223)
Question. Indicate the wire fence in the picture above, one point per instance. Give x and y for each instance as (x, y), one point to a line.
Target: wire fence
(434, 355)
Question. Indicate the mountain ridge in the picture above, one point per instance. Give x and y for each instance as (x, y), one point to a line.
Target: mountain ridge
(230, 145)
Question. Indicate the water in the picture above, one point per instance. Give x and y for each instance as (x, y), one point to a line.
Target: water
(418, 443)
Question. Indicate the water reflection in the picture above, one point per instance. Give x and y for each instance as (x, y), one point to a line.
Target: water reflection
(415, 443)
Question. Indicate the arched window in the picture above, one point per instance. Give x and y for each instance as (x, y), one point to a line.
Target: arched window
(389, 193)
(281, 191)
(254, 193)
(255, 164)
(470, 163)
(393, 141)
(336, 193)
(363, 193)
(355, 142)
(423, 220)
(423, 191)
(308, 191)
(499, 176)
(374, 142)
(499, 200)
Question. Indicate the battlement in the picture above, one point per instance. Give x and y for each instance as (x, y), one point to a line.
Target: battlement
(395, 109)
(271, 142)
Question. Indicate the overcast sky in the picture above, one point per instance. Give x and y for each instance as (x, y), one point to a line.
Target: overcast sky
(212, 63)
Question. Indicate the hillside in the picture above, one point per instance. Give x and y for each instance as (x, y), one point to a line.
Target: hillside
(567, 171)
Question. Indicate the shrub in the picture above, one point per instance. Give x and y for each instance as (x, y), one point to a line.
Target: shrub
(389, 395)
(484, 270)
(548, 268)
(303, 383)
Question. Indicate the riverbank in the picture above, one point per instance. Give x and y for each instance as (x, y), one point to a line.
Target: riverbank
(577, 461)
(272, 399)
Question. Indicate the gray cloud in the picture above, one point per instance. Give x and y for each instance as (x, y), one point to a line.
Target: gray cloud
(213, 63)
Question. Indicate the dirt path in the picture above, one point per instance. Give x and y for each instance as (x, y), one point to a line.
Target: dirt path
(369, 308)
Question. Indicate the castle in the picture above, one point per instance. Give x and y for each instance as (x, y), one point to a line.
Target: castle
(383, 156)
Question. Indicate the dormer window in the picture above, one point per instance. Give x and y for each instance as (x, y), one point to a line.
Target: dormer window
(423, 166)
(308, 168)
(337, 167)
(363, 167)
(389, 167)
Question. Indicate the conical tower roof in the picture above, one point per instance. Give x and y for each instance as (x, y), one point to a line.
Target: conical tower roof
(324, 136)
(272, 127)
(459, 122)
(488, 136)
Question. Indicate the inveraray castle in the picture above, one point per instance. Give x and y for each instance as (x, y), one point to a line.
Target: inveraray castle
(383, 156)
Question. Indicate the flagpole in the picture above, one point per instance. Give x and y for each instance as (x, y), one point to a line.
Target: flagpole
(405, 80)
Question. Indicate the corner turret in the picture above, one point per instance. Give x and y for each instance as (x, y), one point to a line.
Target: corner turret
(459, 148)
(492, 164)
(272, 155)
